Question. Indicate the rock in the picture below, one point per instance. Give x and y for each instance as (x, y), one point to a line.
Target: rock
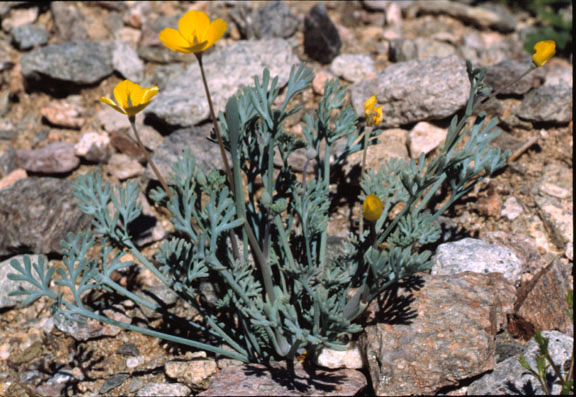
(12, 177)
(511, 209)
(28, 36)
(164, 389)
(556, 181)
(69, 21)
(207, 154)
(147, 228)
(93, 146)
(271, 20)
(89, 328)
(123, 144)
(36, 214)
(446, 336)
(56, 158)
(500, 19)
(558, 217)
(111, 120)
(321, 39)
(443, 88)
(7, 285)
(353, 67)
(425, 137)
(77, 63)
(510, 378)
(552, 104)
(63, 114)
(319, 81)
(151, 48)
(350, 358)
(8, 161)
(501, 75)
(542, 300)
(477, 256)
(126, 62)
(123, 167)
(227, 70)
(7, 130)
(521, 245)
(559, 74)
(275, 380)
(113, 382)
(195, 373)
(403, 49)
(19, 17)
(161, 295)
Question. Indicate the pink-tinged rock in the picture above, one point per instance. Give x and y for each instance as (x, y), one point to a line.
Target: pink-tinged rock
(19, 17)
(444, 335)
(123, 167)
(12, 177)
(55, 158)
(93, 146)
(258, 380)
(319, 81)
(63, 114)
(424, 138)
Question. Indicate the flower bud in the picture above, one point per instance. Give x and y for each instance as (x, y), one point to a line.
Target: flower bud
(372, 208)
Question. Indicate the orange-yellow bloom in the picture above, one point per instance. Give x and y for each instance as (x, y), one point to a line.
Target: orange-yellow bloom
(543, 51)
(372, 112)
(130, 98)
(372, 208)
(195, 33)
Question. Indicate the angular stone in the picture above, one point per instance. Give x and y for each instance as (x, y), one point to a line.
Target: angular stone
(403, 49)
(275, 380)
(559, 74)
(500, 77)
(449, 336)
(477, 256)
(164, 389)
(521, 245)
(549, 103)
(36, 214)
(195, 373)
(124, 167)
(7, 285)
(93, 146)
(69, 21)
(425, 137)
(126, 62)
(12, 177)
(542, 301)
(321, 39)
(442, 89)
(272, 19)
(353, 67)
(510, 378)
(63, 114)
(28, 36)
(558, 215)
(227, 69)
(57, 157)
(556, 181)
(19, 17)
(76, 62)
(512, 208)
(350, 358)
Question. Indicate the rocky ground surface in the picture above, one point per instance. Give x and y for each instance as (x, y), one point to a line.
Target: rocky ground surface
(503, 269)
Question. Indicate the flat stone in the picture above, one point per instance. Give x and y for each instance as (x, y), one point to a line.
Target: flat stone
(542, 301)
(56, 158)
(548, 103)
(63, 114)
(124, 167)
(113, 382)
(425, 137)
(477, 256)
(259, 380)
(404, 49)
(521, 245)
(36, 214)
(12, 177)
(321, 38)
(195, 373)
(510, 378)
(350, 358)
(443, 89)
(353, 67)
(93, 146)
(446, 334)
(79, 63)
(164, 389)
(501, 75)
(227, 69)
(29, 36)
(7, 285)
(126, 62)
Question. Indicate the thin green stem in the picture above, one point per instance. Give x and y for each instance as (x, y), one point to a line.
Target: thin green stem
(367, 133)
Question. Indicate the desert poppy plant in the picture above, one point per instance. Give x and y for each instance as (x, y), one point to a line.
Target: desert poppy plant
(372, 112)
(130, 98)
(543, 51)
(372, 208)
(195, 33)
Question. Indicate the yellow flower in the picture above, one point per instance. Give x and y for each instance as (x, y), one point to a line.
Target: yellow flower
(130, 98)
(372, 112)
(195, 33)
(372, 208)
(543, 51)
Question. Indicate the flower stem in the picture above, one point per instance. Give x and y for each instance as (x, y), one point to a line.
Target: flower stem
(367, 133)
(148, 157)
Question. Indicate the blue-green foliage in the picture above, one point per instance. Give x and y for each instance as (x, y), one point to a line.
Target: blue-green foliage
(277, 292)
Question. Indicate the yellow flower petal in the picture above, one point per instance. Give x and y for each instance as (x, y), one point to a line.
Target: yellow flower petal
(372, 208)
(376, 116)
(193, 26)
(544, 50)
(368, 105)
(130, 97)
(149, 93)
(112, 104)
(121, 93)
(172, 39)
(216, 31)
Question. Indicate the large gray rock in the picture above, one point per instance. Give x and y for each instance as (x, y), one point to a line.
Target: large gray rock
(428, 89)
(445, 333)
(7, 285)
(183, 102)
(477, 256)
(552, 104)
(510, 378)
(499, 77)
(271, 19)
(36, 214)
(78, 63)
